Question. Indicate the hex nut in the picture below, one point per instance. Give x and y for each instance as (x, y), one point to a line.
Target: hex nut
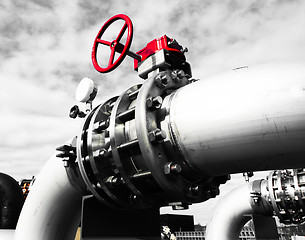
(154, 103)
(172, 168)
(181, 74)
(162, 81)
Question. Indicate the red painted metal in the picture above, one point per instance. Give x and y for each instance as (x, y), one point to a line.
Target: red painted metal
(115, 45)
(156, 45)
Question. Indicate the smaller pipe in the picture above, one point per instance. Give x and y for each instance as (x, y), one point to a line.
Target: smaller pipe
(52, 209)
(230, 215)
(237, 208)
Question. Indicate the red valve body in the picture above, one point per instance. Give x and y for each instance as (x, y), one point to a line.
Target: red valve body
(156, 45)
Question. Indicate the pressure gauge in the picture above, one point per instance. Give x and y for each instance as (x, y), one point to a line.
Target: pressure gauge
(86, 90)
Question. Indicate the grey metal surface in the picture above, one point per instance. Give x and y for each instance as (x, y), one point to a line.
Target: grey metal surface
(246, 120)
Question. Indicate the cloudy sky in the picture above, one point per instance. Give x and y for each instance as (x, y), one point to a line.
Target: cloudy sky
(45, 49)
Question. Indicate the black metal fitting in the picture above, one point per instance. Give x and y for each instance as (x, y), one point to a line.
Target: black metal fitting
(75, 112)
(67, 153)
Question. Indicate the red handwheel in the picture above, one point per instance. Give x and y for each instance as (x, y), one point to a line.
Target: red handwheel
(115, 45)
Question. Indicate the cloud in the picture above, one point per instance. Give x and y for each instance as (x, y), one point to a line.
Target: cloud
(34, 121)
(251, 32)
(222, 34)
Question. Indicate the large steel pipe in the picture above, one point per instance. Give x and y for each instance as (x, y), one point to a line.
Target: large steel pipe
(246, 120)
(172, 141)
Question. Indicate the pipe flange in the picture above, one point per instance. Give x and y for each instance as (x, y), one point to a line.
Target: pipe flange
(84, 165)
(287, 195)
(99, 151)
(126, 152)
(121, 146)
(151, 136)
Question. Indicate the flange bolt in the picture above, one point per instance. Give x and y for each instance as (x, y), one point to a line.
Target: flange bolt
(177, 75)
(157, 135)
(154, 102)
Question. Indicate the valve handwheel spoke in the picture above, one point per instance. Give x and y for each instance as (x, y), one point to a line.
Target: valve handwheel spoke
(111, 57)
(121, 34)
(103, 42)
(115, 45)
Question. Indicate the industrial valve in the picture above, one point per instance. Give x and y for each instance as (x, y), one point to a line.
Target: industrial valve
(172, 141)
(126, 152)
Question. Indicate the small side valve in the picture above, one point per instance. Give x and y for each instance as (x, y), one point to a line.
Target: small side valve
(75, 112)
